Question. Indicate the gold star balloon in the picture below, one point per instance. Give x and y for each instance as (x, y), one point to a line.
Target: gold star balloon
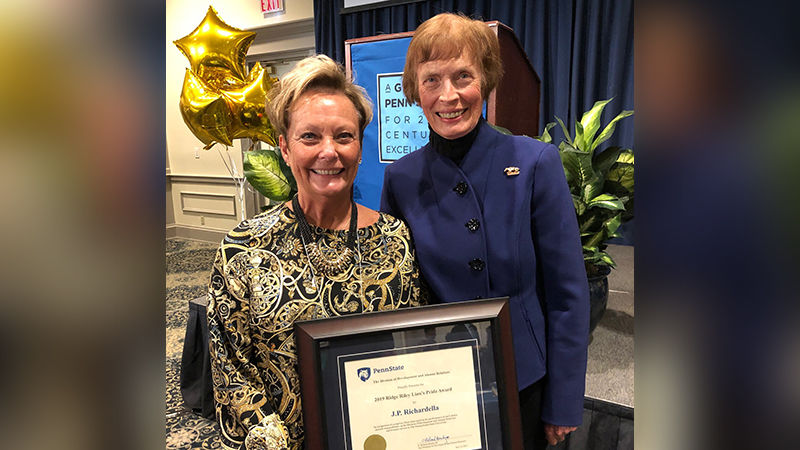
(220, 101)
(205, 111)
(221, 79)
(247, 105)
(215, 45)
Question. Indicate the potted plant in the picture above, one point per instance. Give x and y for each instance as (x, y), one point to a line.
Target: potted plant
(602, 185)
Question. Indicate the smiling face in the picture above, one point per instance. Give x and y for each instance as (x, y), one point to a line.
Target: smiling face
(322, 144)
(450, 95)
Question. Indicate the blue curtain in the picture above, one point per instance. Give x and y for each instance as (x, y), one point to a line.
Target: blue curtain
(581, 49)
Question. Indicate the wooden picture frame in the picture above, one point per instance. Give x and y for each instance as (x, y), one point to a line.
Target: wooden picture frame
(437, 376)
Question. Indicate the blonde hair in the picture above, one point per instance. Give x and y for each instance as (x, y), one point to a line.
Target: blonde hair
(315, 73)
(450, 35)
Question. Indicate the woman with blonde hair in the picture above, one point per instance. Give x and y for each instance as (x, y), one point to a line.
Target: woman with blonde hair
(319, 255)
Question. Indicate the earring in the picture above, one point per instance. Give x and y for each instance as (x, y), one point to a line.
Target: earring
(359, 160)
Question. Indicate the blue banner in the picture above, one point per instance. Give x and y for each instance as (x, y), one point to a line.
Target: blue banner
(402, 127)
(397, 127)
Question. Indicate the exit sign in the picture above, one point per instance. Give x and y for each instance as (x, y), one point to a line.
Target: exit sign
(271, 6)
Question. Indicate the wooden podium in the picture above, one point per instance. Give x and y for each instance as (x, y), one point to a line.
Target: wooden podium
(514, 104)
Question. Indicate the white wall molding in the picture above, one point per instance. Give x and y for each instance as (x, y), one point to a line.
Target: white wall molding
(195, 233)
(208, 203)
(207, 179)
(281, 30)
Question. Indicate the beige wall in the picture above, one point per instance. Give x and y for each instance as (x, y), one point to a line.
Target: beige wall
(200, 187)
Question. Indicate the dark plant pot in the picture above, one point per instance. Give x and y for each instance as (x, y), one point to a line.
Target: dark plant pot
(598, 295)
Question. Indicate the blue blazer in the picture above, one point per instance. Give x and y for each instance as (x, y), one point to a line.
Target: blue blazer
(480, 233)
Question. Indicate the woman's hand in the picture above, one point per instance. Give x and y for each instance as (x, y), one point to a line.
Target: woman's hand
(556, 433)
(269, 434)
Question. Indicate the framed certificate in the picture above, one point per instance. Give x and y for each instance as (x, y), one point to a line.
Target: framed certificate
(434, 377)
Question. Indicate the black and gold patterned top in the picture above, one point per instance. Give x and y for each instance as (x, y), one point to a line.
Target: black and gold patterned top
(262, 283)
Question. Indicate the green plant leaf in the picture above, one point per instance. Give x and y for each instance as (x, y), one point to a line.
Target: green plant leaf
(592, 259)
(591, 252)
(604, 160)
(500, 129)
(620, 180)
(624, 195)
(626, 157)
(592, 241)
(591, 119)
(607, 259)
(629, 208)
(611, 225)
(597, 257)
(580, 207)
(608, 228)
(262, 168)
(592, 187)
(609, 130)
(589, 223)
(570, 167)
(564, 129)
(621, 173)
(287, 172)
(606, 201)
(580, 174)
(579, 141)
(545, 137)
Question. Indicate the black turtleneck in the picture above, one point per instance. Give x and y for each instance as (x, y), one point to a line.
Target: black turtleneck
(455, 149)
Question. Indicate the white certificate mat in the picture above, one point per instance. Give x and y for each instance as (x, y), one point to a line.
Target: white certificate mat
(422, 397)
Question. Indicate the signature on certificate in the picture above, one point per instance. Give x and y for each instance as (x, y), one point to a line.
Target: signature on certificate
(436, 438)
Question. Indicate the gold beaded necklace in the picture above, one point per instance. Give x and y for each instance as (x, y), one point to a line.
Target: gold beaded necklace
(327, 265)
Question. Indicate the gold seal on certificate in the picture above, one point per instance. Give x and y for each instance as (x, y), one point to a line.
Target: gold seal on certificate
(375, 442)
